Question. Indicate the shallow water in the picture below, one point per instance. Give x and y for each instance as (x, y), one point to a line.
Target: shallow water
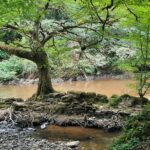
(90, 139)
(108, 87)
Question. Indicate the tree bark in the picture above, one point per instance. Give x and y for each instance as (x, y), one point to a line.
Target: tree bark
(17, 51)
(44, 84)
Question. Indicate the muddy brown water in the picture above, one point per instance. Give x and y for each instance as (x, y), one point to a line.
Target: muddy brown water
(90, 139)
(107, 87)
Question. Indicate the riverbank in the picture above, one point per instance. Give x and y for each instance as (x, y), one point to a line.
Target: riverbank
(30, 81)
(73, 108)
(68, 109)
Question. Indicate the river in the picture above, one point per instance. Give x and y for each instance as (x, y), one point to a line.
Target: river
(107, 87)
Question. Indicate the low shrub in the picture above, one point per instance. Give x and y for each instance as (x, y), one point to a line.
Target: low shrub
(10, 68)
(28, 67)
(135, 132)
(114, 100)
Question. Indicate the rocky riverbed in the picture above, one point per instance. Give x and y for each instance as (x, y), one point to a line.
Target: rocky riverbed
(12, 138)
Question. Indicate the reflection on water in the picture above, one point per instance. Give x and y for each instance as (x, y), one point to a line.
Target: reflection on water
(108, 87)
(90, 139)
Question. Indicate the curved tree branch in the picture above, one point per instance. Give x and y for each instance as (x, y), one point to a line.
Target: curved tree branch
(109, 6)
(136, 17)
(16, 51)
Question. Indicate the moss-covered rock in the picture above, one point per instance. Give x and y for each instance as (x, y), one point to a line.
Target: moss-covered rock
(114, 100)
(127, 101)
(101, 98)
(90, 97)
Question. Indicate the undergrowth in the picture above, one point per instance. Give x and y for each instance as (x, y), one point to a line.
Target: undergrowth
(136, 133)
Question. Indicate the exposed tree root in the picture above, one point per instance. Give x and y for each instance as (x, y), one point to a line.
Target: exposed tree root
(6, 114)
(16, 117)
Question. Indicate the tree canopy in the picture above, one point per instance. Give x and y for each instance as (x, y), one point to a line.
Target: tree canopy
(38, 26)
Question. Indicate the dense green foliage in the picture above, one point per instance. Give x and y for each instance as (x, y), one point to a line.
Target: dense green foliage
(139, 62)
(114, 100)
(11, 68)
(3, 55)
(105, 40)
(93, 59)
(136, 132)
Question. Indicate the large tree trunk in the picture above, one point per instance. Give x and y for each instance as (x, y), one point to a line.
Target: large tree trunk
(44, 85)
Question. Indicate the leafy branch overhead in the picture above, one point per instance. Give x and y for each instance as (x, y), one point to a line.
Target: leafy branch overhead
(40, 24)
